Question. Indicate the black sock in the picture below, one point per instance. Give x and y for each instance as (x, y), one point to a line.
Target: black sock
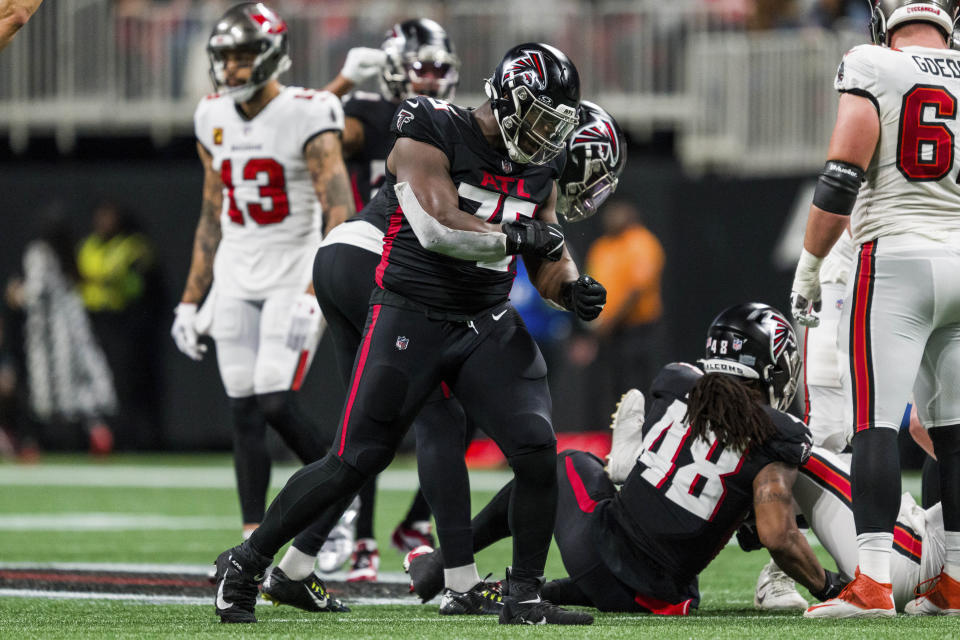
(368, 501)
(565, 592)
(283, 414)
(946, 444)
(311, 490)
(930, 483)
(251, 462)
(493, 521)
(875, 480)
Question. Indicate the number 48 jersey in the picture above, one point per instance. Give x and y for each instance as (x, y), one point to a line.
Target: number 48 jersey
(911, 183)
(686, 496)
(271, 216)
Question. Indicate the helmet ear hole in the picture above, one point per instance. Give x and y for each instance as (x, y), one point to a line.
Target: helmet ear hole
(489, 89)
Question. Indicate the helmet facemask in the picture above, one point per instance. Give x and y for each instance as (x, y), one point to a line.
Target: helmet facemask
(533, 131)
(578, 201)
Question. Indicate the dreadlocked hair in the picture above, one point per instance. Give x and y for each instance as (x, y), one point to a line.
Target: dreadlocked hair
(729, 408)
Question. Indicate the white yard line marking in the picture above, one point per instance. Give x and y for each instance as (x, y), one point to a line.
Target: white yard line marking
(158, 599)
(208, 477)
(98, 521)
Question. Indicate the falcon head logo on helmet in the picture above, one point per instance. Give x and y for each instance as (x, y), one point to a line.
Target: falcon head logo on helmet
(529, 69)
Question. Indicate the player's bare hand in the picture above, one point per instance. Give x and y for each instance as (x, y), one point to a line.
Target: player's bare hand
(184, 331)
(363, 63)
(304, 322)
(529, 236)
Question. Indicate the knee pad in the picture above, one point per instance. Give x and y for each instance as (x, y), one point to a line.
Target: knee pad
(237, 381)
(535, 466)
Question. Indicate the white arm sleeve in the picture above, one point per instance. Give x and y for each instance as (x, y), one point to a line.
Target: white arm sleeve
(433, 236)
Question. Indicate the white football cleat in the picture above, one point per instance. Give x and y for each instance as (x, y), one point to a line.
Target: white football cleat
(627, 426)
(338, 547)
(776, 591)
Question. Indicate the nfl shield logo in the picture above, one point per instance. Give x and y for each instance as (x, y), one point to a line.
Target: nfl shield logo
(402, 343)
(507, 166)
(737, 344)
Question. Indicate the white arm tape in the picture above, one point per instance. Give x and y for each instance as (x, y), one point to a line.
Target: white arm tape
(433, 236)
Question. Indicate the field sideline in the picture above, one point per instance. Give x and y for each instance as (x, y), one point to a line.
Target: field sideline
(178, 512)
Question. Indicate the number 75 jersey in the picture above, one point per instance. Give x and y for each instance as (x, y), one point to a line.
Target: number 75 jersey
(686, 496)
(271, 216)
(911, 183)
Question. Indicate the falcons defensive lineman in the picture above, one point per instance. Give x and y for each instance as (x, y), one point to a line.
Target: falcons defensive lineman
(895, 132)
(272, 163)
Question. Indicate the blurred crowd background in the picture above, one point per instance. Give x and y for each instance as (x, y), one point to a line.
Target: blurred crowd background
(728, 105)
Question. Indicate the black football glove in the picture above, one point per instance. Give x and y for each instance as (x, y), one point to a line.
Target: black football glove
(747, 536)
(584, 296)
(541, 239)
(832, 586)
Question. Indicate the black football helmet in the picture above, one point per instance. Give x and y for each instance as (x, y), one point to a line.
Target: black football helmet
(941, 13)
(756, 342)
(420, 61)
(596, 156)
(253, 27)
(534, 92)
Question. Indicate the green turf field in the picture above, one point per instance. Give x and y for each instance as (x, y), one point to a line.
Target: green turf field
(183, 510)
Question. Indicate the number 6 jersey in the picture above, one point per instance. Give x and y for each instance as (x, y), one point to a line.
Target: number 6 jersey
(685, 496)
(911, 183)
(271, 215)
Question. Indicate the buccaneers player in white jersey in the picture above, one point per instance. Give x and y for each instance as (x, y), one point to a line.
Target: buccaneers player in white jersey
(895, 133)
(272, 169)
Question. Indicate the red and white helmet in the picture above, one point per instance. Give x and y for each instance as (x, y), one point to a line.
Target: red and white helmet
(940, 13)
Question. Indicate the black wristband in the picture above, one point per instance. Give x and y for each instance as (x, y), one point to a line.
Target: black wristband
(837, 187)
(832, 586)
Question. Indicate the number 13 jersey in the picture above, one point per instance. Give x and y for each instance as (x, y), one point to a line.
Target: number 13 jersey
(911, 183)
(271, 216)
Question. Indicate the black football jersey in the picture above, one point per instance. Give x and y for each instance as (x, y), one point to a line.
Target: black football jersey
(367, 165)
(491, 187)
(685, 497)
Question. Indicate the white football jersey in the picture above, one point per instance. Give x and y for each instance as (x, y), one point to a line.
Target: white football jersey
(271, 216)
(911, 183)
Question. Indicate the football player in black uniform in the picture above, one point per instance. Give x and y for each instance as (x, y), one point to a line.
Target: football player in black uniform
(417, 58)
(466, 192)
(714, 443)
(344, 279)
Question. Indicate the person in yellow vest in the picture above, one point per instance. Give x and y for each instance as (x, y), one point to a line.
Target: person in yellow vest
(117, 284)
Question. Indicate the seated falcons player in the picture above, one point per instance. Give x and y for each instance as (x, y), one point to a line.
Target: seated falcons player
(714, 443)
(417, 58)
(466, 192)
(344, 279)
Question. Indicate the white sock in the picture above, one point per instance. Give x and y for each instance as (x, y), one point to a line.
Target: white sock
(461, 578)
(297, 564)
(951, 541)
(247, 532)
(873, 554)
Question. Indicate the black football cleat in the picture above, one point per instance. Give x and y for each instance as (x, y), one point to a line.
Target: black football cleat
(425, 567)
(239, 573)
(539, 611)
(308, 594)
(484, 599)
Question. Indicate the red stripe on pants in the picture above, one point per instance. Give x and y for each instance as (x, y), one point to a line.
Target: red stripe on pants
(860, 342)
(584, 501)
(301, 370)
(364, 350)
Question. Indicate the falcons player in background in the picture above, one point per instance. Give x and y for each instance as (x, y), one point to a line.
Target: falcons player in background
(417, 58)
(891, 164)
(272, 168)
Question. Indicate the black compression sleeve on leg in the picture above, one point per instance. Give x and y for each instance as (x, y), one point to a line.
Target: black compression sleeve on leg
(419, 509)
(311, 490)
(875, 480)
(312, 538)
(368, 501)
(251, 462)
(283, 414)
(533, 509)
(946, 444)
(493, 521)
(930, 483)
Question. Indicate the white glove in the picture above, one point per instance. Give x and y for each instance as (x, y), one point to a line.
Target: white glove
(304, 322)
(184, 331)
(805, 293)
(363, 63)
